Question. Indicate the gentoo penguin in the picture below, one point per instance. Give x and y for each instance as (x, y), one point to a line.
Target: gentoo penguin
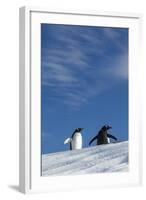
(75, 140)
(103, 136)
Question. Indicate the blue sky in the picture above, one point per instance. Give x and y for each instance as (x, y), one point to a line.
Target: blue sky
(84, 83)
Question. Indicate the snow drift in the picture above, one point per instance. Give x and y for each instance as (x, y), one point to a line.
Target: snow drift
(97, 159)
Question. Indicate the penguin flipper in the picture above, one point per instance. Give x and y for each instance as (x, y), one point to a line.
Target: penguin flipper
(68, 140)
(111, 136)
(93, 140)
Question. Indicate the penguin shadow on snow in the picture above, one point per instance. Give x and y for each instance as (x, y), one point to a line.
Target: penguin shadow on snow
(103, 137)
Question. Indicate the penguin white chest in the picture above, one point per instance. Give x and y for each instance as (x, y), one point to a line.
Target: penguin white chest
(108, 140)
(77, 141)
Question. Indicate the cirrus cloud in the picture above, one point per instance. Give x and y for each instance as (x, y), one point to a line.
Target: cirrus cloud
(76, 61)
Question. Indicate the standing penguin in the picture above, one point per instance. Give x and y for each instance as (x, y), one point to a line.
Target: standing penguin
(75, 140)
(103, 136)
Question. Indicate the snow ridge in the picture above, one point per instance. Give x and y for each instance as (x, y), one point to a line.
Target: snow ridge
(97, 159)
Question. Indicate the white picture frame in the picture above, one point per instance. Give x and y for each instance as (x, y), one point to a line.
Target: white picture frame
(29, 177)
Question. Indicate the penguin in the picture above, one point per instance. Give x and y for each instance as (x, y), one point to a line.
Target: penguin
(103, 136)
(75, 140)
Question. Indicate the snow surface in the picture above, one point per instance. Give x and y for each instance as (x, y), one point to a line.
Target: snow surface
(97, 159)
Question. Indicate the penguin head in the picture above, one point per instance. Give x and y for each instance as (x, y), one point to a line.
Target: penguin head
(79, 129)
(106, 127)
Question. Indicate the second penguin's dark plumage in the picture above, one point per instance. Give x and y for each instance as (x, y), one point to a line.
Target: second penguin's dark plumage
(102, 136)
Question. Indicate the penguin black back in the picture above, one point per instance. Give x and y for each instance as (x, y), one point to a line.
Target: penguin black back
(102, 135)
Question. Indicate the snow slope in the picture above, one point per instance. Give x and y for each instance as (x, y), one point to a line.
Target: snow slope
(102, 158)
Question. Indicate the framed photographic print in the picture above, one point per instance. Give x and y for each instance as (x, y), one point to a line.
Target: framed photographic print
(79, 100)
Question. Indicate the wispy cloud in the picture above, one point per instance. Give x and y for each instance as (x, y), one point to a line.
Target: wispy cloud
(120, 68)
(116, 37)
(72, 65)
